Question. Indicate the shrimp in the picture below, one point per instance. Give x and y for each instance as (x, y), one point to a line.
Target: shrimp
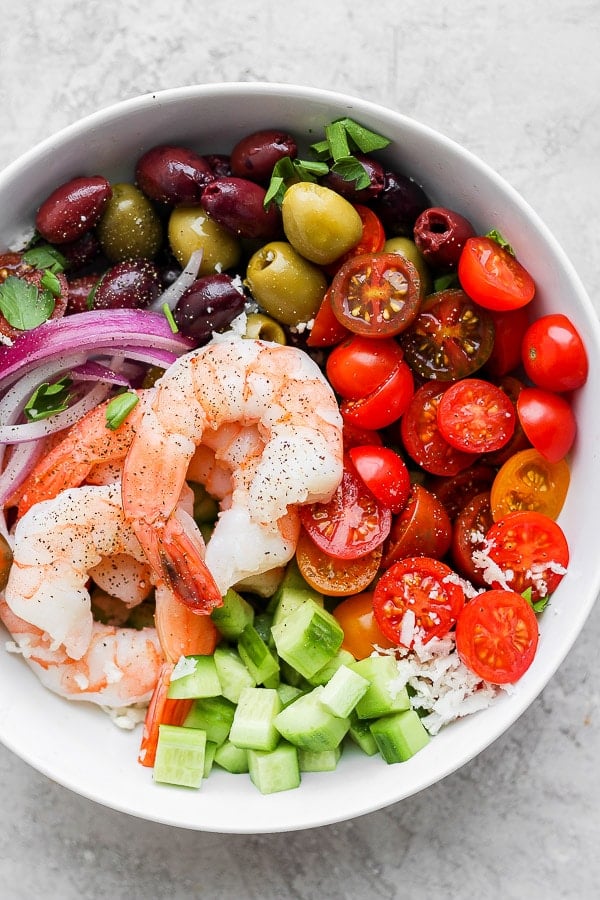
(271, 419)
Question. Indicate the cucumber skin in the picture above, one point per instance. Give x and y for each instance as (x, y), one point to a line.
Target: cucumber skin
(187, 743)
(275, 771)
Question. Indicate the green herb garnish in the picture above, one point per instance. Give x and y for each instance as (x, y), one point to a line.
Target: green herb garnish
(51, 283)
(288, 171)
(445, 282)
(48, 399)
(495, 235)
(539, 605)
(119, 408)
(45, 257)
(169, 317)
(23, 305)
(350, 169)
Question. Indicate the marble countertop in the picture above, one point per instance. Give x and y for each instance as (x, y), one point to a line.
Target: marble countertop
(518, 85)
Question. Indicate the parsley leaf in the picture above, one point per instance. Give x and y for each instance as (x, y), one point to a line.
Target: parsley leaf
(45, 257)
(495, 235)
(350, 169)
(444, 282)
(287, 170)
(366, 140)
(119, 408)
(23, 305)
(48, 399)
(51, 283)
(539, 605)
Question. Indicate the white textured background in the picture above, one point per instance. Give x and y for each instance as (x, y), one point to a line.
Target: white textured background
(519, 85)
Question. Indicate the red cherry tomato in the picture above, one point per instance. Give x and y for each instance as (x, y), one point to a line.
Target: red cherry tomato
(476, 416)
(455, 492)
(554, 356)
(361, 632)
(548, 422)
(331, 576)
(327, 330)
(509, 330)
(421, 435)
(372, 240)
(417, 597)
(492, 277)
(385, 404)
(532, 551)
(355, 436)
(352, 523)
(384, 473)
(423, 528)
(376, 294)
(359, 365)
(497, 636)
(468, 535)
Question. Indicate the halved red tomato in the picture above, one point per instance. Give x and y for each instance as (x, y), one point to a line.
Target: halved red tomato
(421, 435)
(492, 276)
(468, 535)
(417, 598)
(423, 528)
(497, 636)
(327, 330)
(457, 490)
(548, 422)
(476, 416)
(352, 523)
(332, 576)
(358, 365)
(385, 404)
(385, 474)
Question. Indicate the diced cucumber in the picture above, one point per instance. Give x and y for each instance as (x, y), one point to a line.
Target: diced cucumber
(307, 638)
(288, 693)
(256, 656)
(262, 623)
(292, 591)
(290, 675)
(307, 724)
(202, 680)
(341, 658)
(360, 733)
(274, 771)
(232, 617)
(214, 715)
(399, 736)
(233, 674)
(381, 698)
(180, 755)
(319, 761)
(342, 693)
(209, 758)
(253, 723)
(233, 759)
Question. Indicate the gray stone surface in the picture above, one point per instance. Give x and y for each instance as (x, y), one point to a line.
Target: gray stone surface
(518, 84)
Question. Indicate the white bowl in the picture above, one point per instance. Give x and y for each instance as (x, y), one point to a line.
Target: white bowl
(77, 745)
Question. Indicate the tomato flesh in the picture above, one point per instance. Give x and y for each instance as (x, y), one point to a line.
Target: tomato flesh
(332, 576)
(492, 276)
(422, 438)
(528, 481)
(476, 416)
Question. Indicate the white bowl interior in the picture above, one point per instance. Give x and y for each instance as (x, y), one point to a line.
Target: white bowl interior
(77, 745)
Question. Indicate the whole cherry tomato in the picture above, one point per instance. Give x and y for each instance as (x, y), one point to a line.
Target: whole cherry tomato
(509, 330)
(361, 632)
(385, 404)
(554, 356)
(423, 528)
(548, 422)
(385, 474)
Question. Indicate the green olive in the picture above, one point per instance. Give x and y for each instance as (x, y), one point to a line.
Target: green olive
(320, 224)
(129, 226)
(264, 328)
(6, 559)
(409, 250)
(190, 229)
(285, 284)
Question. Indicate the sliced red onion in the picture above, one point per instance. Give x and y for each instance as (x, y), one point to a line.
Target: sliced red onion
(93, 371)
(182, 283)
(21, 462)
(33, 431)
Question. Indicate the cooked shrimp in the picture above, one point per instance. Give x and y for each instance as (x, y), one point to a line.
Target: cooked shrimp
(89, 451)
(120, 666)
(271, 420)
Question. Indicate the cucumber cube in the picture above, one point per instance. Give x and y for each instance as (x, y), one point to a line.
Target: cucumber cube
(341, 658)
(233, 674)
(307, 638)
(180, 755)
(213, 715)
(274, 771)
(194, 676)
(342, 693)
(360, 733)
(256, 656)
(381, 698)
(319, 761)
(232, 617)
(399, 736)
(253, 724)
(209, 758)
(307, 724)
(288, 693)
(233, 759)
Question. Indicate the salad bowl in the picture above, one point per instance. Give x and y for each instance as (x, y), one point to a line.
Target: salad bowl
(76, 744)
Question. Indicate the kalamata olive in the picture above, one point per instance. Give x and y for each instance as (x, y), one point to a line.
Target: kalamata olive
(73, 208)
(408, 249)
(82, 252)
(174, 175)
(255, 155)
(286, 285)
(129, 227)
(131, 284)
(209, 304)
(220, 164)
(318, 223)
(191, 228)
(440, 235)
(399, 203)
(348, 189)
(238, 205)
(79, 292)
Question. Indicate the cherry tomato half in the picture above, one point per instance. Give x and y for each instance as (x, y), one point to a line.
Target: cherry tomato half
(455, 492)
(423, 528)
(359, 365)
(450, 338)
(476, 416)
(421, 435)
(385, 404)
(417, 597)
(384, 473)
(327, 330)
(335, 577)
(554, 356)
(528, 481)
(468, 535)
(497, 636)
(352, 523)
(376, 294)
(531, 550)
(361, 632)
(492, 277)
(548, 422)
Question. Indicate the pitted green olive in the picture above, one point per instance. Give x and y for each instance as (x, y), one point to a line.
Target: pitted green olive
(129, 227)
(320, 224)
(264, 328)
(409, 250)
(285, 284)
(191, 228)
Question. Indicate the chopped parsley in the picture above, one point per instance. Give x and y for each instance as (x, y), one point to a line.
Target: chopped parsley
(48, 399)
(23, 305)
(119, 408)
(45, 257)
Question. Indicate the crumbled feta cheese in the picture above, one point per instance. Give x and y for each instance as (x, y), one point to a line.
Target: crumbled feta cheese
(127, 717)
(185, 665)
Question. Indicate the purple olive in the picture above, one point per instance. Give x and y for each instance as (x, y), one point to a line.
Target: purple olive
(237, 205)
(440, 235)
(220, 164)
(82, 252)
(348, 189)
(209, 304)
(79, 292)
(399, 203)
(255, 155)
(72, 209)
(174, 175)
(131, 284)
